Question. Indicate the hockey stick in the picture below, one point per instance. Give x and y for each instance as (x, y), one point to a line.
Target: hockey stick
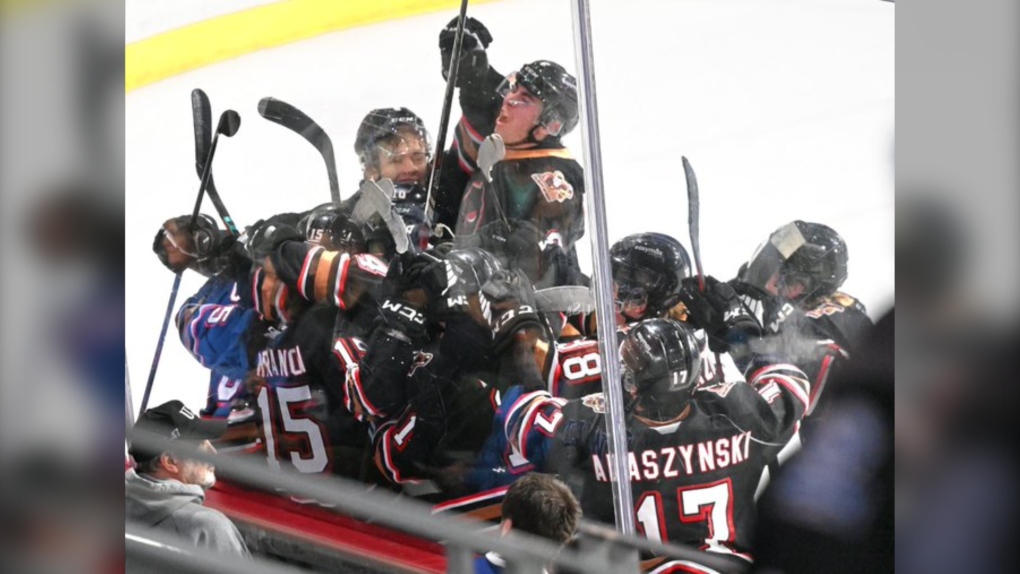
(693, 214)
(159, 344)
(201, 116)
(569, 299)
(228, 125)
(280, 112)
(444, 118)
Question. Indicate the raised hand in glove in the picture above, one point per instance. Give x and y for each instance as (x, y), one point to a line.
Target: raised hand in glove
(473, 58)
(413, 271)
(510, 300)
(719, 311)
(404, 321)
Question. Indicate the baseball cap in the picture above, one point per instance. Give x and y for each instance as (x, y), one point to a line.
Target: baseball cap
(174, 421)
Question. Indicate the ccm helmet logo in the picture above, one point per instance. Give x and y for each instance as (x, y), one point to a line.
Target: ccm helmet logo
(405, 312)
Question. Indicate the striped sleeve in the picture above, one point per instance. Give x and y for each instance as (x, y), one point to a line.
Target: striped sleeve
(320, 275)
(786, 390)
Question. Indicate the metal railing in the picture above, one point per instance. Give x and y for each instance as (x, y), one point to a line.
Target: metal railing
(461, 536)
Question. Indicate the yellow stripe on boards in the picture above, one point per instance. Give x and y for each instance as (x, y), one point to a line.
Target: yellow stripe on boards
(177, 51)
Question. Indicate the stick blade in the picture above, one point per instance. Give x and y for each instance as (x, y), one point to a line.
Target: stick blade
(265, 105)
(201, 115)
(569, 299)
(230, 122)
(693, 217)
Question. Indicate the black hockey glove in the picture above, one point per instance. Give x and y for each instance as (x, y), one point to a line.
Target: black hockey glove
(409, 271)
(403, 321)
(770, 311)
(474, 61)
(510, 302)
(516, 243)
(719, 312)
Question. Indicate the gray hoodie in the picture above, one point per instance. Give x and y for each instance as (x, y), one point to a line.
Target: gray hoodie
(176, 508)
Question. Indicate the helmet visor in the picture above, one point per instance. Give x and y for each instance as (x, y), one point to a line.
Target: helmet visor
(635, 285)
(766, 265)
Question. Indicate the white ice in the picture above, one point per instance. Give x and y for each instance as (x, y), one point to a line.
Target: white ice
(784, 107)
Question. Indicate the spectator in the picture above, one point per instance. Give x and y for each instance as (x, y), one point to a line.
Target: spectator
(539, 505)
(166, 492)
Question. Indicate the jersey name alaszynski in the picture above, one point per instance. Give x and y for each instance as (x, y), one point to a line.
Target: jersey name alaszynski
(679, 460)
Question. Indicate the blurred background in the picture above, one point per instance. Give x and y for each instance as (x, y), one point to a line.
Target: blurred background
(62, 176)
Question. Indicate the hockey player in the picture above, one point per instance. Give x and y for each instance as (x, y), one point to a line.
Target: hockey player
(695, 454)
(649, 270)
(433, 371)
(392, 143)
(298, 384)
(211, 252)
(395, 151)
(792, 284)
(297, 290)
(528, 209)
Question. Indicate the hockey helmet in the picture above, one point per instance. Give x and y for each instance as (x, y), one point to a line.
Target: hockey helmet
(648, 269)
(266, 235)
(555, 87)
(661, 360)
(812, 255)
(200, 243)
(386, 125)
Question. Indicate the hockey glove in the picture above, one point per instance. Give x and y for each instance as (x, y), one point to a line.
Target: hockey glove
(409, 271)
(404, 321)
(474, 61)
(516, 243)
(770, 311)
(719, 312)
(509, 301)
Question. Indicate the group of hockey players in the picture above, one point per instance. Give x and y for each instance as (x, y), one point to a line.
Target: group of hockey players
(399, 343)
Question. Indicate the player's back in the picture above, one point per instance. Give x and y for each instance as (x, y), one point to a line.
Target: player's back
(694, 480)
(300, 397)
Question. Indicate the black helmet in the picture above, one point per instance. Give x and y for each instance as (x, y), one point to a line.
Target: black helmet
(204, 244)
(383, 125)
(661, 364)
(811, 254)
(330, 226)
(318, 221)
(549, 82)
(265, 235)
(648, 267)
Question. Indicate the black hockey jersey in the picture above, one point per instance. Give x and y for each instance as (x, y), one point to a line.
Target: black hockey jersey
(543, 187)
(300, 398)
(693, 480)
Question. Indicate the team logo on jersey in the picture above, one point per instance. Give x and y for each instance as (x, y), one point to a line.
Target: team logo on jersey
(554, 186)
(836, 303)
(420, 360)
(596, 402)
(722, 389)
